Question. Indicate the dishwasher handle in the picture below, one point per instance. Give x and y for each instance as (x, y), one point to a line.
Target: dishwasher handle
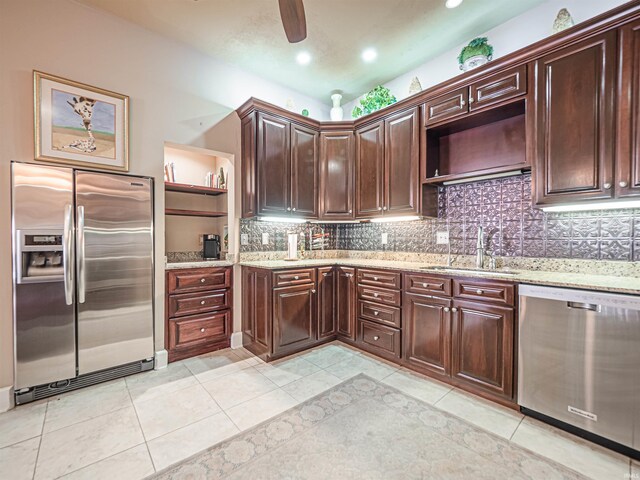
(584, 306)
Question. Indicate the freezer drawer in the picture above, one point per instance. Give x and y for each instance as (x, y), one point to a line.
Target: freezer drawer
(579, 357)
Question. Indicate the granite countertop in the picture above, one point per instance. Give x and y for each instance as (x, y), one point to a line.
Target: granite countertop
(609, 283)
(198, 264)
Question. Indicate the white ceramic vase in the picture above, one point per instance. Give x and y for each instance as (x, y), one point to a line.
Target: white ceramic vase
(336, 112)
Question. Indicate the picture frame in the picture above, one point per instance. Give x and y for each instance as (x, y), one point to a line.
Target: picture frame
(80, 125)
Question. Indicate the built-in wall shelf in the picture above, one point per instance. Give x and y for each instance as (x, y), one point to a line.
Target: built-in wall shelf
(193, 213)
(198, 189)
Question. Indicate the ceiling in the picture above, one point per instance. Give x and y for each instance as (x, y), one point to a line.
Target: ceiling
(249, 34)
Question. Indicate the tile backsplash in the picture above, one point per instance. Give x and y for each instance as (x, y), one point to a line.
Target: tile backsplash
(503, 207)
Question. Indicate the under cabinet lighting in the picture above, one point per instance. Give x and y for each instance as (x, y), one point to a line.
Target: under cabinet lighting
(511, 173)
(407, 218)
(282, 219)
(592, 206)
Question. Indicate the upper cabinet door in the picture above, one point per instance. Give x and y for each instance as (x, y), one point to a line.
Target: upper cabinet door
(370, 170)
(447, 106)
(498, 88)
(304, 171)
(628, 154)
(575, 122)
(401, 162)
(249, 166)
(273, 161)
(336, 175)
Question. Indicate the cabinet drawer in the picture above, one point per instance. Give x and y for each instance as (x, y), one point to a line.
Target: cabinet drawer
(198, 329)
(495, 292)
(190, 303)
(286, 278)
(198, 279)
(498, 88)
(418, 283)
(379, 295)
(447, 106)
(379, 278)
(379, 313)
(379, 338)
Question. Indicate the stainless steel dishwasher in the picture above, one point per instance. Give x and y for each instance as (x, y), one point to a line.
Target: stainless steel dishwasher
(579, 361)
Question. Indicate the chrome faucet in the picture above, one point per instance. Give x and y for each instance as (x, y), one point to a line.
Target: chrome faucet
(480, 249)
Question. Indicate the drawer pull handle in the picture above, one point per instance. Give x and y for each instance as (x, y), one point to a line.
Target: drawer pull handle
(454, 309)
(202, 280)
(447, 309)
(202, 330)
(479, 292)
(202, 302)
(376, 313)
(376, 338)
(296, 277)
(375, 295)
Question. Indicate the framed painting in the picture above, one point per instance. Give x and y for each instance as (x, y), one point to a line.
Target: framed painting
(80, 125)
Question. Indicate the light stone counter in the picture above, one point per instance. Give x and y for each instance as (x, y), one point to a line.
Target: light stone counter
(198, 264)
(628, 283)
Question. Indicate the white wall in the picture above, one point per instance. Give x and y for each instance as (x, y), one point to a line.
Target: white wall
(177, 95)
(525, 29)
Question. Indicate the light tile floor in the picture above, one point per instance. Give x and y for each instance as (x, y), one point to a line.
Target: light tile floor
(129, 428)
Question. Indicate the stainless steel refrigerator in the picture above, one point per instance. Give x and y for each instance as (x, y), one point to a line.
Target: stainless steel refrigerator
(83, 278)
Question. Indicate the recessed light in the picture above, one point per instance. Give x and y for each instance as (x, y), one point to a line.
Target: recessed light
(452, 3)
(303, 58)
(369, 54)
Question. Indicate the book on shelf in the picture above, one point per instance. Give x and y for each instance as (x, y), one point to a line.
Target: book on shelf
(170, 172)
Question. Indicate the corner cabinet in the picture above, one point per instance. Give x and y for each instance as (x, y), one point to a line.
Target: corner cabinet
(387, 163)
(575, 122)
(337, 175)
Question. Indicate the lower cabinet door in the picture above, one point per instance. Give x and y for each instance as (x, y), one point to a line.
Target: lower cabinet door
(326, 302)
(427, 333)
(294, 318)
(346, 302)
(482, 346)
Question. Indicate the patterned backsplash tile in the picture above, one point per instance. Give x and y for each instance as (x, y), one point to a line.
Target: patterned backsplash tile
(512, 227)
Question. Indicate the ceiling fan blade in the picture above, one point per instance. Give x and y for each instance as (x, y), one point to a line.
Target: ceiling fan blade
(293, 20)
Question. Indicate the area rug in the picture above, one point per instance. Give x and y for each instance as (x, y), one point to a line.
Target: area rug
(362, 429)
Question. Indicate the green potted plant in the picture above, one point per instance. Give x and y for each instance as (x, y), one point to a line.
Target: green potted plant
(477, 53)
(376, 99)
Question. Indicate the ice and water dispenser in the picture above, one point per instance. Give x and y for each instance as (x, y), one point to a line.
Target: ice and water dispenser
(39, 256)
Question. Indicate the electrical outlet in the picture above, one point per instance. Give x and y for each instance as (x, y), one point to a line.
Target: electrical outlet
(442, 238)
(200, 240)
(385, 238)
(265, 238)
(244, 239)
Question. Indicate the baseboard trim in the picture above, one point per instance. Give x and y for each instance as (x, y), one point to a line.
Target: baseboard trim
(236, 340)
(6, 399)
(162, 359)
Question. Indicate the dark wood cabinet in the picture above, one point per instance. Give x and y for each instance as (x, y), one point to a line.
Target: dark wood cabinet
(198, 311)
(482, 346)
(401, 163)
(628, 144)
(337, 175)
(274, 166)
(575, 122)
(248, 135)
(498, 88)
(427, 332)
(256, 309)
(346, 302)
(326, 302)
(370, 170)
(304, 172)
(294, 318)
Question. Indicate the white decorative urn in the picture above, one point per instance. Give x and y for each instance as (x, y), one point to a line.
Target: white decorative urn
(336, 112)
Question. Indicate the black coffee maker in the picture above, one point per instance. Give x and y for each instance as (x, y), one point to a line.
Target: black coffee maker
(211, 246)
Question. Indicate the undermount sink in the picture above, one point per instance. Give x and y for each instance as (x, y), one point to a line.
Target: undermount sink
(476, 271)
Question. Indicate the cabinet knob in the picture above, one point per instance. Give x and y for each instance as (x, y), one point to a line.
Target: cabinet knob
(288, 209)
(479, 292)
(380, 209)
(454, 309)
(350, 211)
(376, 338)
(349, 275)
(202, 330)
(202, 302)
(376, 313)
(202, 280)
(462, 103)
(384, 208)
(313, 290)
(607, 186)
(294, 209)
(325, 274)
(623, 184)
(375, 295)
(425, 285)
(375, 279)
(447, 309)
(471, 100)
(296, 277)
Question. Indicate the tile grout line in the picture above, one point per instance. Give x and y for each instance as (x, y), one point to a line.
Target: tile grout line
(44, 419)
(516, 429)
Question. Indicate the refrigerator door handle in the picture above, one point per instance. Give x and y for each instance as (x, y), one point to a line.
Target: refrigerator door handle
(67, 254)
(81, 258)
